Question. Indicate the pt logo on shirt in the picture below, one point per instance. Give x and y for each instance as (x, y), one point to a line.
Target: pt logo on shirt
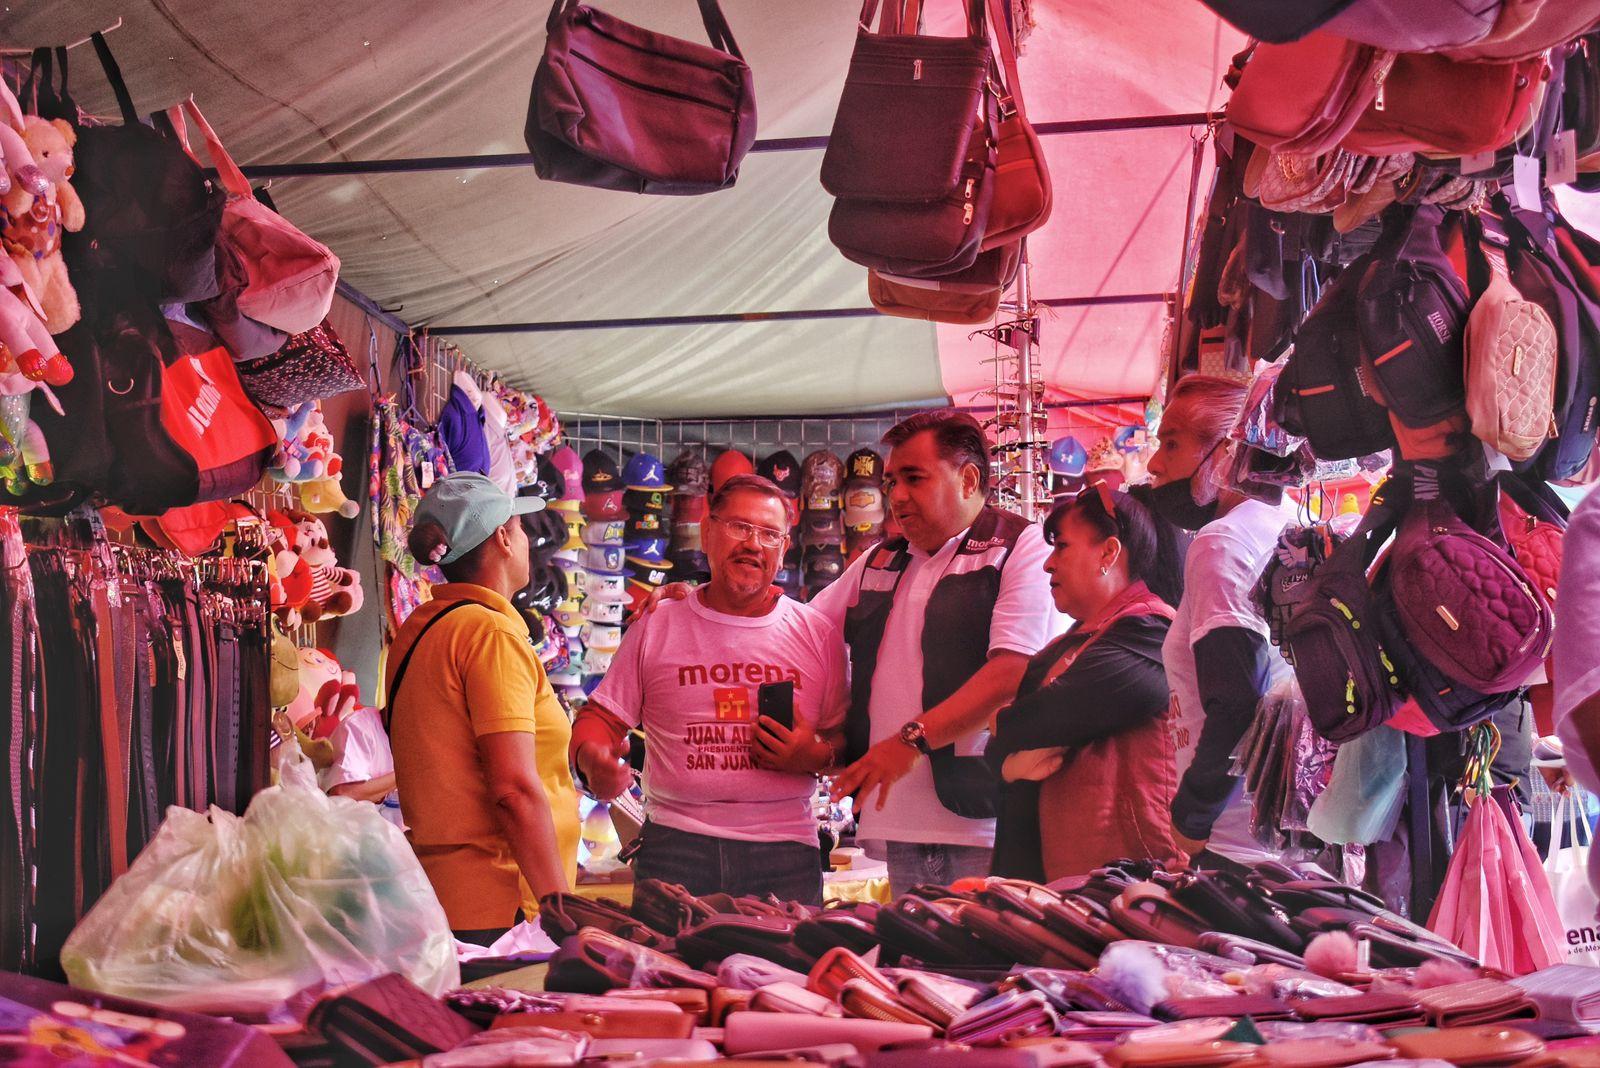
(733, 703)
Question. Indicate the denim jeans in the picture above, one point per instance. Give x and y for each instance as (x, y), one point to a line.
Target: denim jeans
(915, 863)
(702, 864)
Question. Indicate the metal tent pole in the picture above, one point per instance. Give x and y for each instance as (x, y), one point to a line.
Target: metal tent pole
(1026, 377)
(415, 164)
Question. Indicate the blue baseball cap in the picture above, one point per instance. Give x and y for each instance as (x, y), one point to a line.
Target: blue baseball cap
(469, 508)
(645, 471)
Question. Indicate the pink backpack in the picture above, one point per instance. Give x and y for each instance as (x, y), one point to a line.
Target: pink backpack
(290, 276)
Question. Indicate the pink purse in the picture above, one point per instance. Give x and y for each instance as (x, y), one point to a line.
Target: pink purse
(1303, 98)
(290, 276)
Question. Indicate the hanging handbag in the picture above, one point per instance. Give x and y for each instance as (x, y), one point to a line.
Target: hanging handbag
(1510, 350)
(912, 155)
(1428, 103)
(290, 276)
(1463, 603)
(618, 107)
(1022, 188)
(1525, 28)
(1276, 21)
(1305, 97)
(903, 298)
(205, 410)
(311, 365)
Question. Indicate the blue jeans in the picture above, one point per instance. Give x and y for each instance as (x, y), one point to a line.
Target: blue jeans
(915, 863)
(702, 865)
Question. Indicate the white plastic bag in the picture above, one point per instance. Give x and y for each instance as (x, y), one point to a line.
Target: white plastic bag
(1567, 867)
(1363, 798)
(254, 916)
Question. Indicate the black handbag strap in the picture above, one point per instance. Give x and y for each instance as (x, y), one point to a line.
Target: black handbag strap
(710, 14)
(405, 662)
(130, 114)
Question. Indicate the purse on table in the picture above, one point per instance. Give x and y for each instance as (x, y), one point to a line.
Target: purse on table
(608, 1018)
(562, 915)
(769, 937)
(1479, 1001)
(1148, 911)
(594, 961)
(667, 907)
(1010, 1016)
(1326, 1052)
(1376, 1009)
(389, 1019)
(763, 1032)
(1468, 1046)
(1239, 1006)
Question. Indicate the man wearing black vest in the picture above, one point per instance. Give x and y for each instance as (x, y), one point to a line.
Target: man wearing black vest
(940, 624)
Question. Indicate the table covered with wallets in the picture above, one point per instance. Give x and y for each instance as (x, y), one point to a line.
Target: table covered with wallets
(1135, 967)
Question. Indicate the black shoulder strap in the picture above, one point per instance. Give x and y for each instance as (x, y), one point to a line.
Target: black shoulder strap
(405, 661)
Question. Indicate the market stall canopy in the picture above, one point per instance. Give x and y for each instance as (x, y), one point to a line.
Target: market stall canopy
(309, 80)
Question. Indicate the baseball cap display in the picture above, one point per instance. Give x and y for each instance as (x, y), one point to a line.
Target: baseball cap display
(731, 462)
(575, 524)
(469, 508)
(821, 475)
(549, 482)
(686, 536)
(821, 528)
(603, 559)
(1068, 457)
(567, 461)
(596, 662)
(864, 465)
(863, 505)
(605, 587)
(861, 537)
(603, 612)
(601, 638)
(690, 565)
(822, 566)
(566, 559)
(638, 500)
(690, 509)
(783, 470)
(689, 472)
(600, 474)
(649, 552)
(609, 532)
(604, 505)
(569, 614)
(652, 576)
(645, 472)
(644, 525)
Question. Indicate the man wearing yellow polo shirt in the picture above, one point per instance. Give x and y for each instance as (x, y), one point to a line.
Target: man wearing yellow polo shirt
(479, 739)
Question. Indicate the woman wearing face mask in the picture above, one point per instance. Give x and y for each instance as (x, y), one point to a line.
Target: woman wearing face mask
(1086, 750)
(1218, 659)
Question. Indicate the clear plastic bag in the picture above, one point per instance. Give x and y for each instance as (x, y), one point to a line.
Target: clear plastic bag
(1363, 798)
(254, 916)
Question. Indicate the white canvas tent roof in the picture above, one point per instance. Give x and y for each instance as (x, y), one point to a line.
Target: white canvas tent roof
(317, 80)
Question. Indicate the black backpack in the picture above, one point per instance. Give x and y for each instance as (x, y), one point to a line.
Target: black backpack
(1322, 394)
(147, 207)
(1277, 21)
(1347, 676)
(1412, 314)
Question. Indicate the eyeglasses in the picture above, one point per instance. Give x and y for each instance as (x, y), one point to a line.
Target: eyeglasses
(765, 537)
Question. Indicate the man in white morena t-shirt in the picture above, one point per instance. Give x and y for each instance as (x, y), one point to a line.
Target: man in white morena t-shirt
(727, 791)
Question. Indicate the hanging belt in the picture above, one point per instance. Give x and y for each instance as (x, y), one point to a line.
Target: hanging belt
(112, 745)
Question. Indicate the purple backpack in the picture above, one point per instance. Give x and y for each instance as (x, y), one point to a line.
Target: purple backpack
(1415, 25)
(1464, 604)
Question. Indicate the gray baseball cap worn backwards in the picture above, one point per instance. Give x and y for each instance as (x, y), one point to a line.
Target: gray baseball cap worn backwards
(469, 507)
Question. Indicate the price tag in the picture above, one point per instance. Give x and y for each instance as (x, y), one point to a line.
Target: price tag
(1477, 164)
(1561, 164)
(1525, 182)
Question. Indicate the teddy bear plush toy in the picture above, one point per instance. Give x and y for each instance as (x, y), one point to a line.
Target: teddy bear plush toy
(289, 462)
(335, 590)
(34, 223)
(25, 342)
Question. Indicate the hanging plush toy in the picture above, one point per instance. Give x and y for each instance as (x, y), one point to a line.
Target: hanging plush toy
(335, 591)
(292, 454)
(34, 223)
(291, 579)
(23, 335)
(325, 496)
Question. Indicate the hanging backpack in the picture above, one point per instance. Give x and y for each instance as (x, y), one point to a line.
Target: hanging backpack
(1511, 351)
(1415, 25)
(206, 411)
(909, 298)
(1411, 314)
(912, 155)
(1323, 394)
(1303, 98)
(1275, 21)
(1346, 675)
(147, 206)
(1463, 603)
(1573, 259)
(1022, 186)
(1525, 28)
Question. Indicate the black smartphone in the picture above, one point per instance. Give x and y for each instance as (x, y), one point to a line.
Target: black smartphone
(776, 699)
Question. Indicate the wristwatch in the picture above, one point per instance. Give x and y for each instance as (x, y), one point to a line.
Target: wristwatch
(915, 735)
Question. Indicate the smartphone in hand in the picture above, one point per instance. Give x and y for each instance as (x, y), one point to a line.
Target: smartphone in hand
(776, 699)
